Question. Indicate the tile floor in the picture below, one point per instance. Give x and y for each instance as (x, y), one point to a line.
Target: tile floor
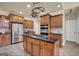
(70, 49)
(13, 50)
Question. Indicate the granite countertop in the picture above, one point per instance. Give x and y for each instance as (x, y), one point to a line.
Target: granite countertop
(4, 34)
(42, 37)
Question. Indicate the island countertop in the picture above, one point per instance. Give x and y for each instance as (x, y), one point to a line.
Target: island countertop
(42, 37)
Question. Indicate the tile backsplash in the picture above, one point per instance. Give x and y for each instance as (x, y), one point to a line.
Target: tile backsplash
(27, 29)
(57, 30)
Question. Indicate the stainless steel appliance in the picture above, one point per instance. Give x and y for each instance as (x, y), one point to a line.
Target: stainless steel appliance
(17, 32)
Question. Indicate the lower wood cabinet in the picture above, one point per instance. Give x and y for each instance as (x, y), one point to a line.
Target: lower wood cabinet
(5, 39)
(57, 36)
(35, 47)
(29, 45)
(41, 48)
(46, 49)
(24, 43)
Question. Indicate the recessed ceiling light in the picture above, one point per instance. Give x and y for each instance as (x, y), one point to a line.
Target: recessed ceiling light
(28, 6)
(58, 6)
(20, 12)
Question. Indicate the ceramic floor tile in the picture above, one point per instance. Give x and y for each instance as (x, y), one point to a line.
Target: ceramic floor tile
(70, 49)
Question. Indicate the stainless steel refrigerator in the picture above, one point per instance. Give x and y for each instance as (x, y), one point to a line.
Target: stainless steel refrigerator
(17, 32)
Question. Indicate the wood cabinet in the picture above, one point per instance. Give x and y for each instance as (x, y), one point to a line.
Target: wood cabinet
(46, 49)
(16, 18)
(21, 20)
(56, 48)
(28, 24)
(24, 23)
(5, 40)
(56, 21)
(29, 45)
(44, 20)
(52, 21)
(57, 36)
(24, 42)
(35, 47)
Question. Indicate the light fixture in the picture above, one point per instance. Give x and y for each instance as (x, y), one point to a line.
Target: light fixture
(20, 12)
(36, 9)
(28, 6)
(58, 6)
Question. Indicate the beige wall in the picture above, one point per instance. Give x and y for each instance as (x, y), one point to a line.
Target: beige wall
(68, 5)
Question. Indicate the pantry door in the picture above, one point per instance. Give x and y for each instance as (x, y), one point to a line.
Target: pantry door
(71, 28)
(77, 30)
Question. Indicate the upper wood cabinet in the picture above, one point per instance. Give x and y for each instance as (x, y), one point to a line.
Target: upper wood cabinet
(28, 24)
(16, 18)
(44, 19)
(21, 20)
(56, 21)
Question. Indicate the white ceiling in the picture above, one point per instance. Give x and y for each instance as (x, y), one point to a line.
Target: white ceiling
(16, 7)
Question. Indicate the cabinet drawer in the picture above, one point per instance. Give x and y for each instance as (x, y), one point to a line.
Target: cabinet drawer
(56, 36)
(46, 44)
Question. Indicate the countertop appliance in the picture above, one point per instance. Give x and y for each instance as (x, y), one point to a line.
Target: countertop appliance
(17, 32)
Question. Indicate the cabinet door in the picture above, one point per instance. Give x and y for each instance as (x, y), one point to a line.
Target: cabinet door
(56, 21)
(56, 48)
(46, 49)
(3, 41)
(35, 47)
(21, 20)
(15, 19)
(24, 24)
(59, 37)
(44, 19)
(24, 42)
(29, 45)
(7, 39)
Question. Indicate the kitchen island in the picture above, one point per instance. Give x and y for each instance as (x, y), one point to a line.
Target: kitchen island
(40, 45)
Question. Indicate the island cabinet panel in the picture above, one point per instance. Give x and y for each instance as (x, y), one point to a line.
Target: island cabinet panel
(35, 47)
(29, 45)
(56, 48)
(46, 49)
(57, 36)
(24, 43)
